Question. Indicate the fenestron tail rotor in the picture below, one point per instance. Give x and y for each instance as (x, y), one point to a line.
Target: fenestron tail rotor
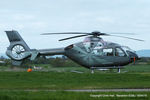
(94, 34)
(18, 52)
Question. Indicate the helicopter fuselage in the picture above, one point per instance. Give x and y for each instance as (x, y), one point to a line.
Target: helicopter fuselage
(94, 52)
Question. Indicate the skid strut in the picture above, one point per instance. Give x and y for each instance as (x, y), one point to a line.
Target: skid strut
(92, 70)
(118, 70)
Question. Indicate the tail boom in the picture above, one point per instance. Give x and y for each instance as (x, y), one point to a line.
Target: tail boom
(18, 50)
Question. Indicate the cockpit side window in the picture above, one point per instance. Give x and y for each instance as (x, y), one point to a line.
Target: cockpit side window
(119, 52)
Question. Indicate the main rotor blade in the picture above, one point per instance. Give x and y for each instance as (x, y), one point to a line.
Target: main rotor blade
(65, 33)
(127, 37)
(123, 33)
(94, 33)
(72, 37)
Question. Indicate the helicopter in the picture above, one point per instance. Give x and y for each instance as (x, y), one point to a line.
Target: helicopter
(92, 53)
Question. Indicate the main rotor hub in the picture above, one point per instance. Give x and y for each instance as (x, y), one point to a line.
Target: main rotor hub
(92, 39)
(96, 33)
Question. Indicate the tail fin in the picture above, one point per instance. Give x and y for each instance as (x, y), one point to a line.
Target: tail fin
(15, 38)
(18, 50)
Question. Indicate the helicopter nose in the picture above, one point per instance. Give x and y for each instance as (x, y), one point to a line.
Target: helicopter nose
(133, 56)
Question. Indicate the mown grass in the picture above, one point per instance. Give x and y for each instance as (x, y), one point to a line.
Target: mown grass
(62, 95)
(130, 68)
(68, 80)
(137, 68)
(13, 85)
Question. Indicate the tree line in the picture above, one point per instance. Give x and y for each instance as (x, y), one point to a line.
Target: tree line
(53, 61)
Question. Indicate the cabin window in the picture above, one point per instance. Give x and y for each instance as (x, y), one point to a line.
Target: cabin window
(98, 52)
(103, 51)
(87, 46)
(119, 52)
(93, 46)
(108, 52)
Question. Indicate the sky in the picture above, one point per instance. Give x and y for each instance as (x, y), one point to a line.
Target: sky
(33, 17)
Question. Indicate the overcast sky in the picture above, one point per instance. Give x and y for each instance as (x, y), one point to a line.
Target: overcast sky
(33, 17)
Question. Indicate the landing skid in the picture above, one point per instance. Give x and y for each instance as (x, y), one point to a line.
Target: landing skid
(114, 67)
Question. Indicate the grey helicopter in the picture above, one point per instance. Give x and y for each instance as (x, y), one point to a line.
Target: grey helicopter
(93, 52)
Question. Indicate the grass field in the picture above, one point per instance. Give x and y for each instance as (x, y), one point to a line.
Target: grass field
(13, 82)
(68, 80)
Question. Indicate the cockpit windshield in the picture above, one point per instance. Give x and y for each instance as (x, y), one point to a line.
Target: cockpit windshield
(119, 52)
(92, 44)
(126, 48)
